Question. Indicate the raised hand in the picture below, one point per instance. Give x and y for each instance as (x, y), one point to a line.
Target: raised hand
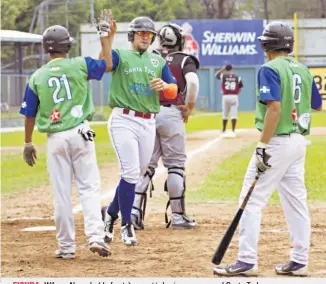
(105, 24)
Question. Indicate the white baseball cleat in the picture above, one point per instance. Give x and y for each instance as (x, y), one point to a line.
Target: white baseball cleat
(224, 134)
(108, 225)
(64, 255)
(237, 268)
(292, 268)
(101, 248)
(128, 235)
(180, 221)
(233, 134)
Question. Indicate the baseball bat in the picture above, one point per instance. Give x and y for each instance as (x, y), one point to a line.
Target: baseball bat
(226, 240)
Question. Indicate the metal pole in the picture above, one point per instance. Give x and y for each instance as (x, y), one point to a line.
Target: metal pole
(266, 10)
(67, 19)
(257, 6)
(296, 43)
(91, 12)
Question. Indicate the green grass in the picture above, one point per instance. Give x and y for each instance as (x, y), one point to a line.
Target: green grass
(245, 120)
(16, 180)
(224, 183)
(17, 176)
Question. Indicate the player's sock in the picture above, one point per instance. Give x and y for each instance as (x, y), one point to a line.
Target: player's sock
(225, 121)
(113, 209)
(234, 123)
(126, 200)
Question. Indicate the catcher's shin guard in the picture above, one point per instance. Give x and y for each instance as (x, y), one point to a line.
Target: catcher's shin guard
(175, 185)
(139, 206)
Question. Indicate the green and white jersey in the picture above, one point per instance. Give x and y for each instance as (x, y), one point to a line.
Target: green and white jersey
(130, 80)
(58, 93)
(286, 80)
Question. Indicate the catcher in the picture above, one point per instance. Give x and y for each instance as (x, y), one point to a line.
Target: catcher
(170, 132)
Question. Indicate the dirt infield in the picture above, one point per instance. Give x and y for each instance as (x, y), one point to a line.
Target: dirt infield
(160, 252)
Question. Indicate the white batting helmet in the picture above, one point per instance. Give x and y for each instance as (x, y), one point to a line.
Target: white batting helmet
(172, 35)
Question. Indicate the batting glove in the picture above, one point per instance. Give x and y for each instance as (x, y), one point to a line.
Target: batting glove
(29, 154)
(262, 158)
(88, 135)
(103, 23)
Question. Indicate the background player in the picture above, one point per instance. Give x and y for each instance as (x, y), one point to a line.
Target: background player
(137, 78)
(286, 95)
(170, 131)
(230, 88)
(58, 98)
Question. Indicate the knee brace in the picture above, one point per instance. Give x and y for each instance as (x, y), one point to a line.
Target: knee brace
(175, 186)
(139, 206)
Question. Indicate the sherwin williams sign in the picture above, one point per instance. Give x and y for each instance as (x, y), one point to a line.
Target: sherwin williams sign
(220, 42)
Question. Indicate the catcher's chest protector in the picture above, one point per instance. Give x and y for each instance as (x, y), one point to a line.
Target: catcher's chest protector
(176, 62)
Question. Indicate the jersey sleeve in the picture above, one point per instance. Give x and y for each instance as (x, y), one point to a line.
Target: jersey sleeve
(115, 60)
(269, 84)
(95, 68)
(30, 104)
(316, 101)
(240, 83)
(219, 77)
(167, 76)
(189, 66)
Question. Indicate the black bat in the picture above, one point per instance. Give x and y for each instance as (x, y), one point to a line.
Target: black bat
(225, 242)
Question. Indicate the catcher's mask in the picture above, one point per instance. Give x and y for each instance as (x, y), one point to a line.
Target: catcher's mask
(172, 35)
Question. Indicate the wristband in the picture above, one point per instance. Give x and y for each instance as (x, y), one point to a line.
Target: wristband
(261, 145)
(29, 144)
(171, 91)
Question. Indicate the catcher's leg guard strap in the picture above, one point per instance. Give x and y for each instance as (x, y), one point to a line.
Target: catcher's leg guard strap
(140, 202)
(175, 188)
(150, 173)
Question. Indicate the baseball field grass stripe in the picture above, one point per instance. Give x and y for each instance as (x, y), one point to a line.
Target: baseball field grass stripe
(202, 121)
(224, 183)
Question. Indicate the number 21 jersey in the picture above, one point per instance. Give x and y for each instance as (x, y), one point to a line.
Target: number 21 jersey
(58, 94)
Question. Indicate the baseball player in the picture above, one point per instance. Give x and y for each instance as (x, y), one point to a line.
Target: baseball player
(230, 89)
(170, 131)
(286, 94)
(58, 99)
(137, 79)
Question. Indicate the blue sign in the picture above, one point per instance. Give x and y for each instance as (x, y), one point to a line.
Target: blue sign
(221, 42)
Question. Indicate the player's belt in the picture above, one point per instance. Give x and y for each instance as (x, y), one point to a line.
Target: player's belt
(145, 115)
(168, 105)
(284, 134)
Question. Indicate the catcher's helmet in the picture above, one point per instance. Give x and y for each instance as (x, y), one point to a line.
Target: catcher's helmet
(172, 35)
(141, 24)
(277, 36)
(56, 39)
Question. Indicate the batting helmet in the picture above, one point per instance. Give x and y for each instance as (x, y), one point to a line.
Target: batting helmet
(172, 35)
(277, 36)
(56, 39)
(141, 24)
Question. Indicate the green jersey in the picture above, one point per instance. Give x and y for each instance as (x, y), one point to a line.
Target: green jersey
(58, 93)
(286, 80)
(130, 81)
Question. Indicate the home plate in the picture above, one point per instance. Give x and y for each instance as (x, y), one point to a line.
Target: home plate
(39, 229)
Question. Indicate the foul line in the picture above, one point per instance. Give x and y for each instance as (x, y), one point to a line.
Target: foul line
(160, 171)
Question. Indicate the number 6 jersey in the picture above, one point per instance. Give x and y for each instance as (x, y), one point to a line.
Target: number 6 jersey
(286, 80)
(58, 94)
